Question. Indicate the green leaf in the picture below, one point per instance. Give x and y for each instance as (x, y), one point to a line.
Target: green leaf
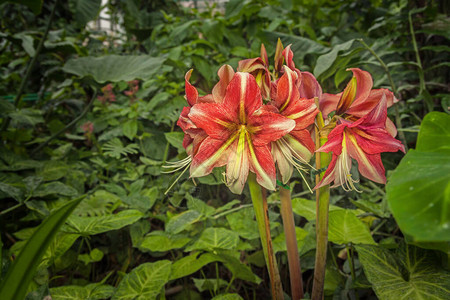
(91, 291)
(307, 208)
(344, 227)
(114, 68)
(411, 273)
(160, 241)
(190, 264)
(279, 243)
(175, 139)
(100, 224)
(15, 284)
(182, 221)
(215, 238)
(86, 10)
(434, 134)
(27, 117)
(11, 191)
(243, 222)
(94, 256)
(144, 282)
(54, 188)
(324, 62)
(209, 284)
(130, 129)
(53, 170)
(418, 191)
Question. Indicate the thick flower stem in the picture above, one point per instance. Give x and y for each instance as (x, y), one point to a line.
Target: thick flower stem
(295, 271)
(262, 218)
(322, 203)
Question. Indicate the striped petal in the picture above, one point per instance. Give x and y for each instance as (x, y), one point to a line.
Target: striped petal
(278, 60)
(262, 164)
(191, 91)
(225, 73)
(301, 144)
(362, 107)
(280, 156)
(212, 153)
(286, 89)
(328, 103)
(357, 90)
(267, 126)
(214, 119)
(302, 111)
(238, 164)
(369, 165)
(243, 96)
(310, 87)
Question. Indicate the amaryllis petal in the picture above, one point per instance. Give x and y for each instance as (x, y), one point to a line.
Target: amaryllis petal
(376, 140)
(286, 89)
(376, 117)
(328, 103)
(369, 165)
(212, 153)
(243, 96)
(310, 87)
(357, 90)
(334, 143)
(280, 156)
(214, 119)
(225, 73)
(329, 175)
(267, 126)
(191, 91)
(251, 65)
(362, 106)
(278, 60)
(390, 127)
(238, 164)
(301, 144)
(302, 111)
(263, 54)
(289, 57)
(262, 164)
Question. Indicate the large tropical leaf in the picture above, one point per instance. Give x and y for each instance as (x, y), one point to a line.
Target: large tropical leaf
(144, 282)
(114, 68)
(418, 192)
(411, 273)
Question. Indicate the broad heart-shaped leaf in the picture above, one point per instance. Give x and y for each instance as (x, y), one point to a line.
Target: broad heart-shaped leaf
(190, 264)
(344, 227)
(418, 191)
(418, 194)
(243, 223)
(411, 273)
(180, 222)
(16, 281)
(100, 224)
(434, 134)
(144, 282)
(215, 238)
(160, 241)
(114, 68)
(307, 208)
(75, 292)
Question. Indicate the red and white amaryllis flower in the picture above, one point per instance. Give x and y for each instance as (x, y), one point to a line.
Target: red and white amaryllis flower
(362, 140)
(194, 136)
(296, 147)
(358, 99)
(240, 130)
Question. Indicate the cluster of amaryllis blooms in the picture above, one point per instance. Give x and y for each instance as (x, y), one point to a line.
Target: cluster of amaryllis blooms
(256, 119)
